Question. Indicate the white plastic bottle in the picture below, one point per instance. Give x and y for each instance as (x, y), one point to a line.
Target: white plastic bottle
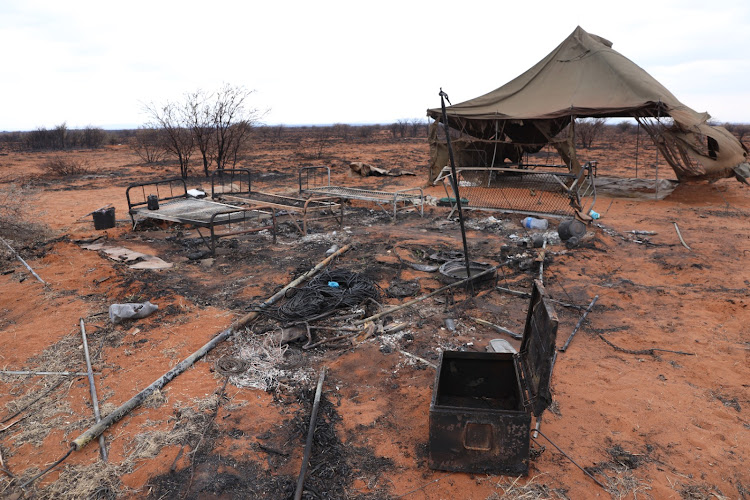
(533, 223)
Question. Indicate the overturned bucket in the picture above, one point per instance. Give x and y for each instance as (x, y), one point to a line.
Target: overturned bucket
(104, 218)
(571, 228)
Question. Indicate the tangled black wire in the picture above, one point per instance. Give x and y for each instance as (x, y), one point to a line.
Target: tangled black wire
(330, 290)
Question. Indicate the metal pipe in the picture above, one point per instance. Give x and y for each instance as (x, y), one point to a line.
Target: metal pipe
(578, 325)
(23, 262)
(92, 387)
(310, 435)
(454, 178)
(420, 299)
(27, 372)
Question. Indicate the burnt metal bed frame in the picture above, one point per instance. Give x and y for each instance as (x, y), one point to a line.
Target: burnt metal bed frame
(317, 180)
(168, 200)
(235, 185)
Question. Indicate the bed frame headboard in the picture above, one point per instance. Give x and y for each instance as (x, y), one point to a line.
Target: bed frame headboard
(166, 189)
(230, 181)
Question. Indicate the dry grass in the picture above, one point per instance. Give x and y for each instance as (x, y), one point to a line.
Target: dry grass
(514, 489)
(102, 480)
(265, 364)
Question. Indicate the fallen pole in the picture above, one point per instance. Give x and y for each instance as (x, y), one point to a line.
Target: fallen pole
(541, 262)
(423, 297)
(499, 329)
(23, 262)
(92, 387)
(94, 431)
(578, 325)
(27, 372)
(310, 435)
(527, 295)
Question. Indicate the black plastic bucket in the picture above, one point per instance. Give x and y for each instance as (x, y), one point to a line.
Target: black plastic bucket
(104, 219)
(571, 228)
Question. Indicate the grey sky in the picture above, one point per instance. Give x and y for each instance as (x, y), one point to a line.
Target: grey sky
(95, 62)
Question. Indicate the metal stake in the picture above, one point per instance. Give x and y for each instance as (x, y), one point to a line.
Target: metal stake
(310, 435)
(94, 399)
(454, 184)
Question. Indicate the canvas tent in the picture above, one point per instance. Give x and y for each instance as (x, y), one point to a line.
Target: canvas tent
(583, 77)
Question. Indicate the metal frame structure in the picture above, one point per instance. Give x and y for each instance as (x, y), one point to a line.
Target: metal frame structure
(175, 205)
(316, 180)
(561, 190)
(235, 185)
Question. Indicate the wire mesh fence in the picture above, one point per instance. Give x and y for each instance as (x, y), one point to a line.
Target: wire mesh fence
(524, 191)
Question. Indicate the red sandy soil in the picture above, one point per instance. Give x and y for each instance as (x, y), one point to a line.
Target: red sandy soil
(665, 416)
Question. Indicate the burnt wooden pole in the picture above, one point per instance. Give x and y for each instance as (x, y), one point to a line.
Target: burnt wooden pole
(454, 184)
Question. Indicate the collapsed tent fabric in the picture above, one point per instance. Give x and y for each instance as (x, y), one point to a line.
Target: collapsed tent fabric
(585, 77)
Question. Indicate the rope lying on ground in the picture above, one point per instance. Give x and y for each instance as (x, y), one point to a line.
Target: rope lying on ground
(331, 289)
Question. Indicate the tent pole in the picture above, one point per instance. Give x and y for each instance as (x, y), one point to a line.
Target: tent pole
(637, 144)
(656, 170)
(454, 179)
(494, 155)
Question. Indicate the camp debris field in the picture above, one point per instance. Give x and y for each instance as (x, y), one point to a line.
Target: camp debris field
(650, 397)
(512, 301)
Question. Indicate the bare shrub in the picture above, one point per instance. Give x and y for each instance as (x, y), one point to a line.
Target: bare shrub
(740, 130)
(59, 166)
(417, 125)
(148, 144)
(588, 130)
(366, 131)
(625, 127)
(343, 130)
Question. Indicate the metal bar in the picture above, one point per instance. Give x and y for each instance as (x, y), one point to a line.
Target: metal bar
(454, 179)
(571, 460)
(310, 435)
(28, 372)
(23, 262)
(578, 325)
(423, 297)
(92, 387)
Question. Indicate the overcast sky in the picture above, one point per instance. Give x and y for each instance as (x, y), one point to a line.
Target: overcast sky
(315, 62)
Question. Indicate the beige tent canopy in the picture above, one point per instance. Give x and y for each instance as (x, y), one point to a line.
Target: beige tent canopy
(585, 77)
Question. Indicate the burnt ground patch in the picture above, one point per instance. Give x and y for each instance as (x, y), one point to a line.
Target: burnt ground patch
(332, 467)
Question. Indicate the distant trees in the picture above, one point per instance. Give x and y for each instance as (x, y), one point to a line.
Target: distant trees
(217, 123)
(61, 137)
(740, 130)
(588, 130)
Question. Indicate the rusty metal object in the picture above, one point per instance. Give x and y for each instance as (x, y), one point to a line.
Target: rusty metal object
(480, 413)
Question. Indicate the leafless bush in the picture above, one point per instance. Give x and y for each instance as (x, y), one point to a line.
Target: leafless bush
(588, 130)
(148, 144)
(417, 125)
(625, 127)
(366, 131)
(740, 130)
(343, 130)
(59, 166)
